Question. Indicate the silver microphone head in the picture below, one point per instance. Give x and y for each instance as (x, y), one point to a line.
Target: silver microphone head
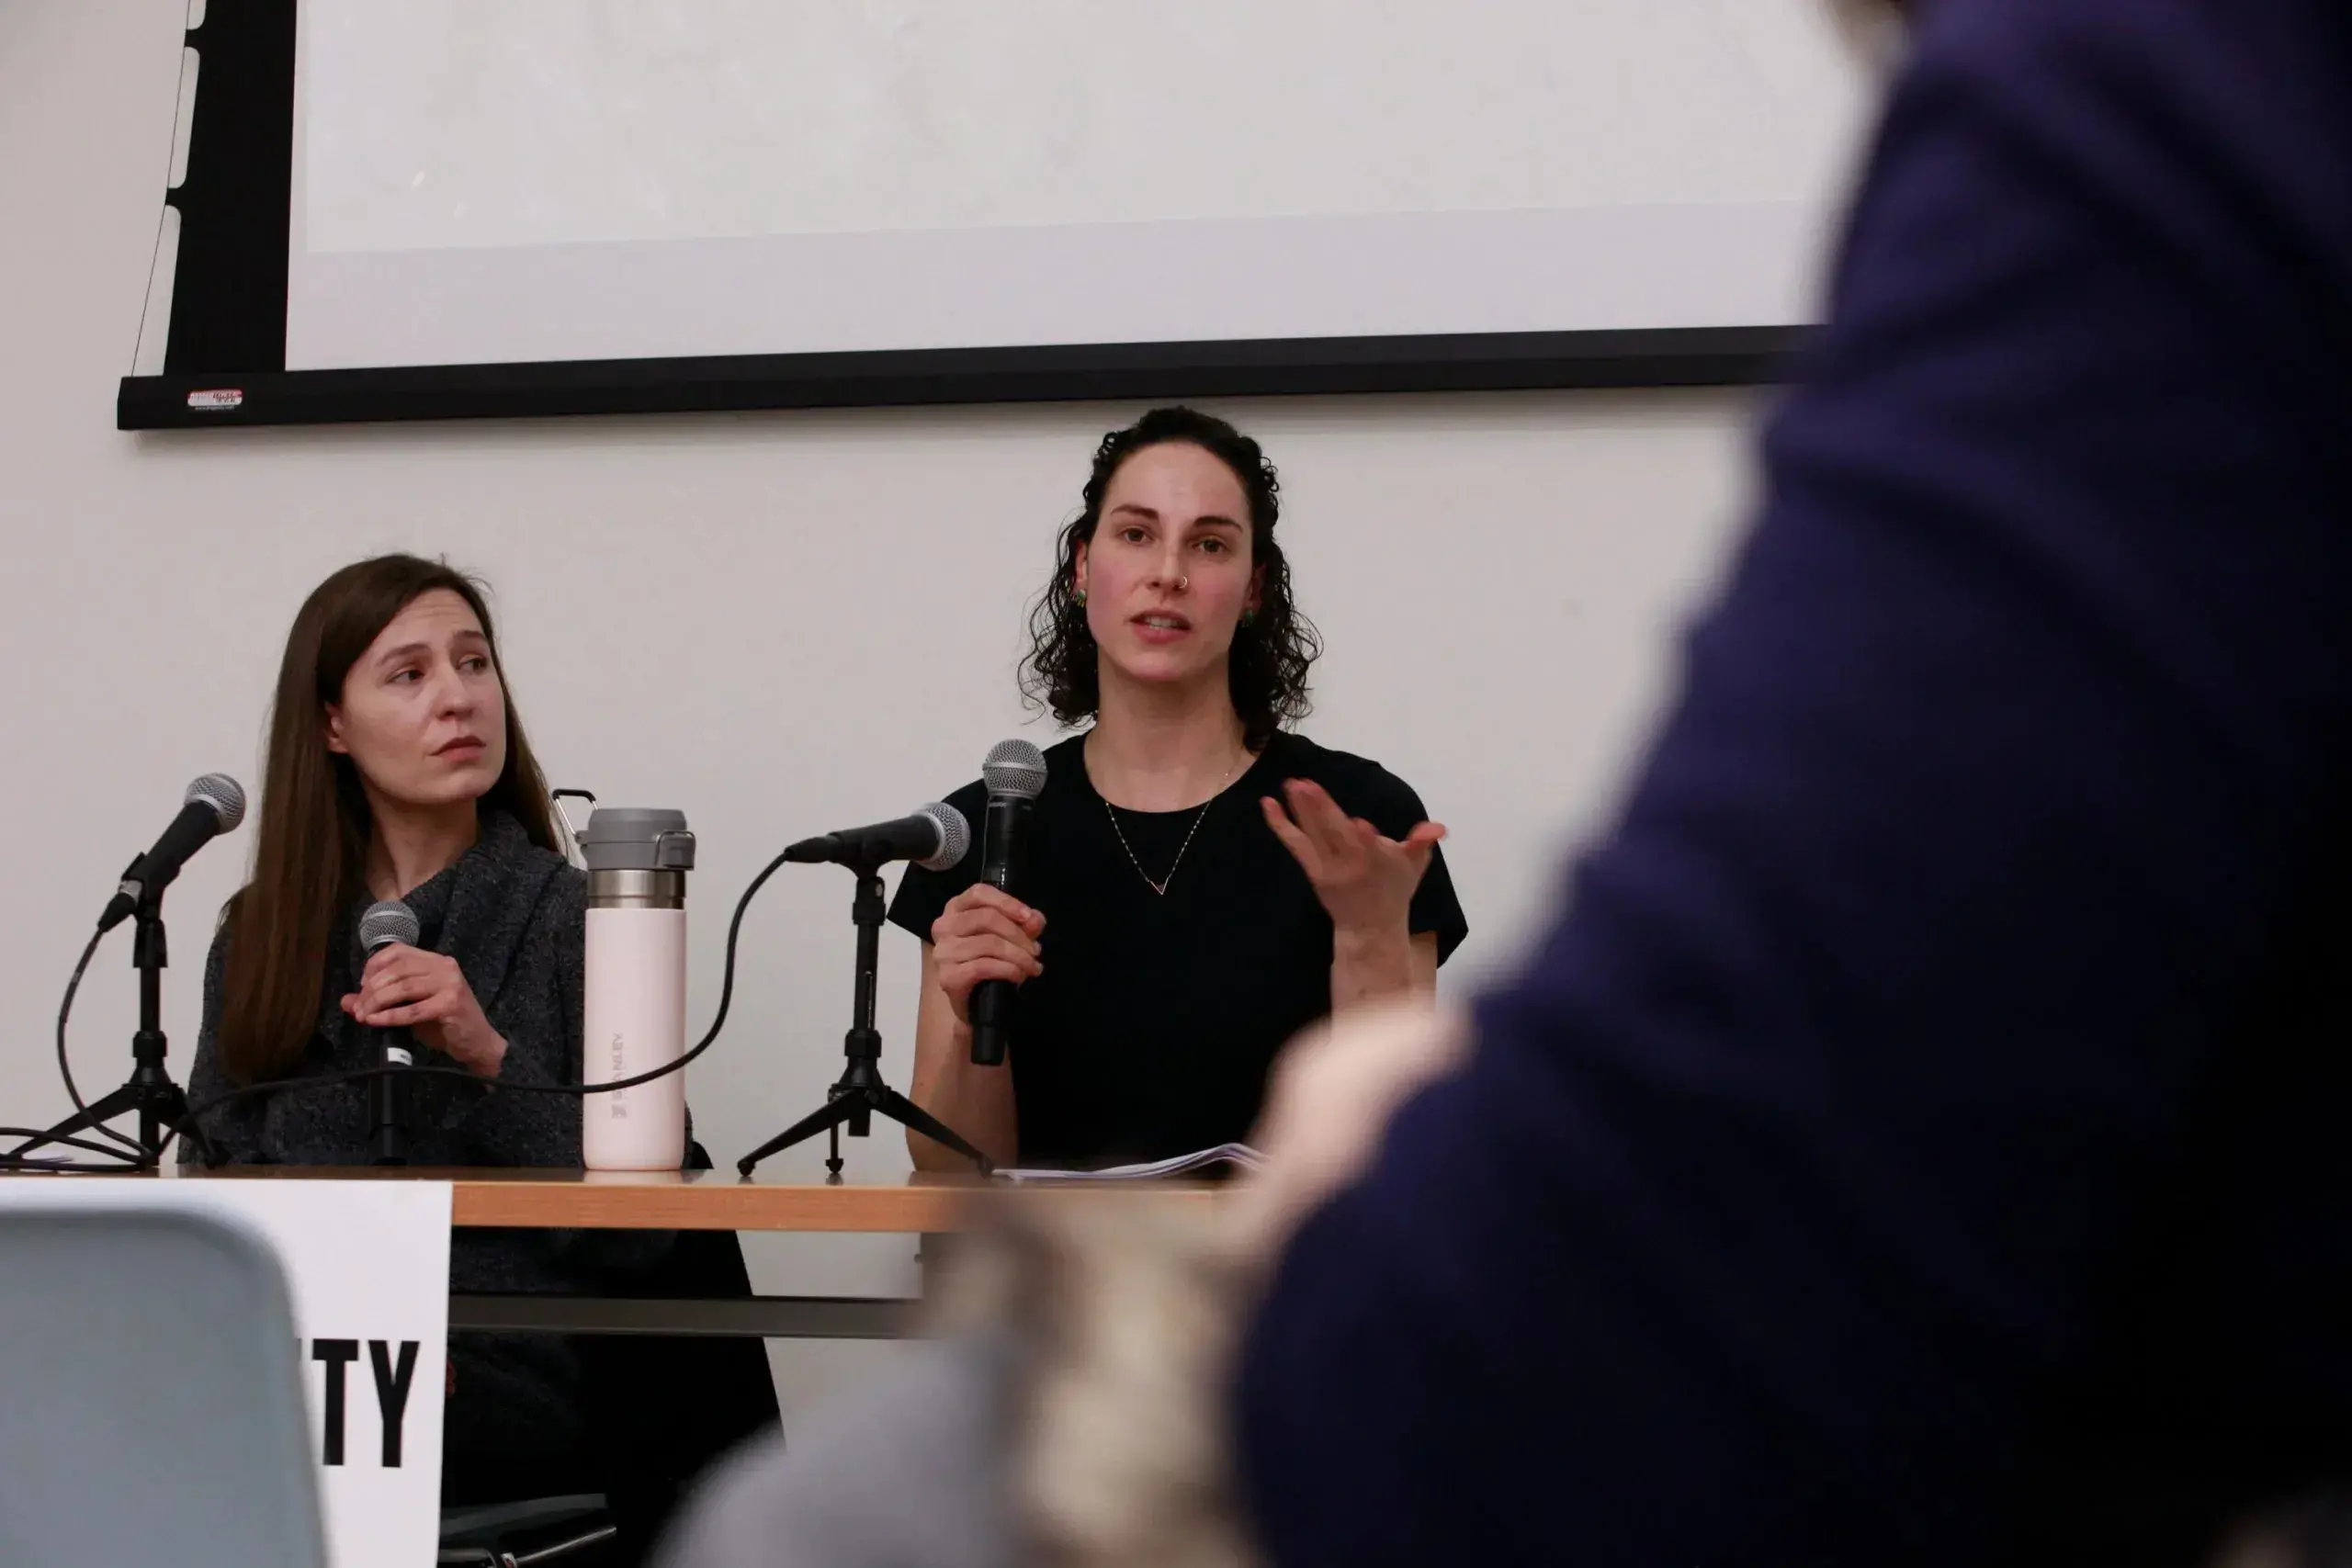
(223, 794)
(387, 923)
(1015, 768)
(955, 837)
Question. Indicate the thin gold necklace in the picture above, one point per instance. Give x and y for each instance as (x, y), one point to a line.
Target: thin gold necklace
(1160, 886)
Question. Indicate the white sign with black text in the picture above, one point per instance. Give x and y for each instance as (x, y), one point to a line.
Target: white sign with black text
(368, 1273)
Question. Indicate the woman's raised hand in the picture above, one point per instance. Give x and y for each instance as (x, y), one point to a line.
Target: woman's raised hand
(1365, 879)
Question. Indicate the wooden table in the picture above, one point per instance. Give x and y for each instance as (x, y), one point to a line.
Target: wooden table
(575, 1200)
(716, 1201)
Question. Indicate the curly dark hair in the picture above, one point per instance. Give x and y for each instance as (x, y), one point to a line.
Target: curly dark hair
(1272, 653)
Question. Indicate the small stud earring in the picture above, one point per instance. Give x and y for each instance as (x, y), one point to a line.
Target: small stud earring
(1079, 598)
(1249, 619)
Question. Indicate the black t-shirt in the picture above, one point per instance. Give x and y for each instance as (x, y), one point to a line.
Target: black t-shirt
(1152, 1028)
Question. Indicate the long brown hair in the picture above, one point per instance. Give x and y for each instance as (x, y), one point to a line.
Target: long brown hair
(310, 853)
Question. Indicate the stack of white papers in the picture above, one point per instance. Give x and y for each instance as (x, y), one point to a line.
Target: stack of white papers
(1240, 1154)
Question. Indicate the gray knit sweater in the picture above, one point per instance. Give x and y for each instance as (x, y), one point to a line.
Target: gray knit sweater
(513, 915)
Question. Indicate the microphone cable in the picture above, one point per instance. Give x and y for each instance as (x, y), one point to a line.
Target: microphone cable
(123, 1148)
(579, 1091)
(211, 1152)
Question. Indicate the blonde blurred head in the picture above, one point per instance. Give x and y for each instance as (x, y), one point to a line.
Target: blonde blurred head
(1875, 29)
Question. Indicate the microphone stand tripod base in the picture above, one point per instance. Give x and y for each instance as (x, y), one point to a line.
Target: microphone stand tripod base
(853, 1103)
(861, 1094)
(160, 1104)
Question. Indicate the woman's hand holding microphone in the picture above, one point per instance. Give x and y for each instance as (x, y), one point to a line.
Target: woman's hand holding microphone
(406, 987)
(984, 934)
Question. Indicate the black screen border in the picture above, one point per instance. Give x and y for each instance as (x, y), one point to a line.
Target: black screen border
(225, 356)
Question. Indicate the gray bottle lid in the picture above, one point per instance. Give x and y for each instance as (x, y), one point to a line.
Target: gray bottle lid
(634, 837)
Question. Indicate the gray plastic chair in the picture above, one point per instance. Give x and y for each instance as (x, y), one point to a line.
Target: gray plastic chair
(151, 1409)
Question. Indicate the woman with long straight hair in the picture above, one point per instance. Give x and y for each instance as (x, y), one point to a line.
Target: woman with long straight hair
(1202, 881)
(398, 769)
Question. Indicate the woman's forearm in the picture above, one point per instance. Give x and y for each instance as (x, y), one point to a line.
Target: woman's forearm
(976, 1102)
(1368, 966)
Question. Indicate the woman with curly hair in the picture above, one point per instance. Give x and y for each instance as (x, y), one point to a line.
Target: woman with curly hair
(1206, 881)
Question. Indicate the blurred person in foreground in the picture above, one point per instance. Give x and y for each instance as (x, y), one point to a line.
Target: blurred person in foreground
(1922, 1141)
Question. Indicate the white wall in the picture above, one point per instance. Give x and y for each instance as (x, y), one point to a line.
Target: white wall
(779, 624)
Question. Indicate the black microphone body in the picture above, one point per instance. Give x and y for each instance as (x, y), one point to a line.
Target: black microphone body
(387, 924)
(1004, 859)
(214, 805)
(388, 1099)
(936, 837)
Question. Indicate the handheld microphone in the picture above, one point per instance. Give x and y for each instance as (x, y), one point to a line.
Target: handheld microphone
(384, 925)
(215, 803)
(1016, 776)
(935, 837)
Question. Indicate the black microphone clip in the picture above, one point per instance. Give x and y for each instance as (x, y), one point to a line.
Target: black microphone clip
(127, 896)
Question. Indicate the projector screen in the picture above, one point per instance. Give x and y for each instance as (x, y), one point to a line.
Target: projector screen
(583, 181)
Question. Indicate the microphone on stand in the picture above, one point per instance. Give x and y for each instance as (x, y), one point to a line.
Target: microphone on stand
(1016, 776)
(384, 925)
(935, 837)
(214, 805)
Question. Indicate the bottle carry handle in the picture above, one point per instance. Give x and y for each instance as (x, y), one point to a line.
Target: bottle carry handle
(570, 829)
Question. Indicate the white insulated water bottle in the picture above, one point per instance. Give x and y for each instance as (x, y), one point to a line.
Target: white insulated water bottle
(635, 1016)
